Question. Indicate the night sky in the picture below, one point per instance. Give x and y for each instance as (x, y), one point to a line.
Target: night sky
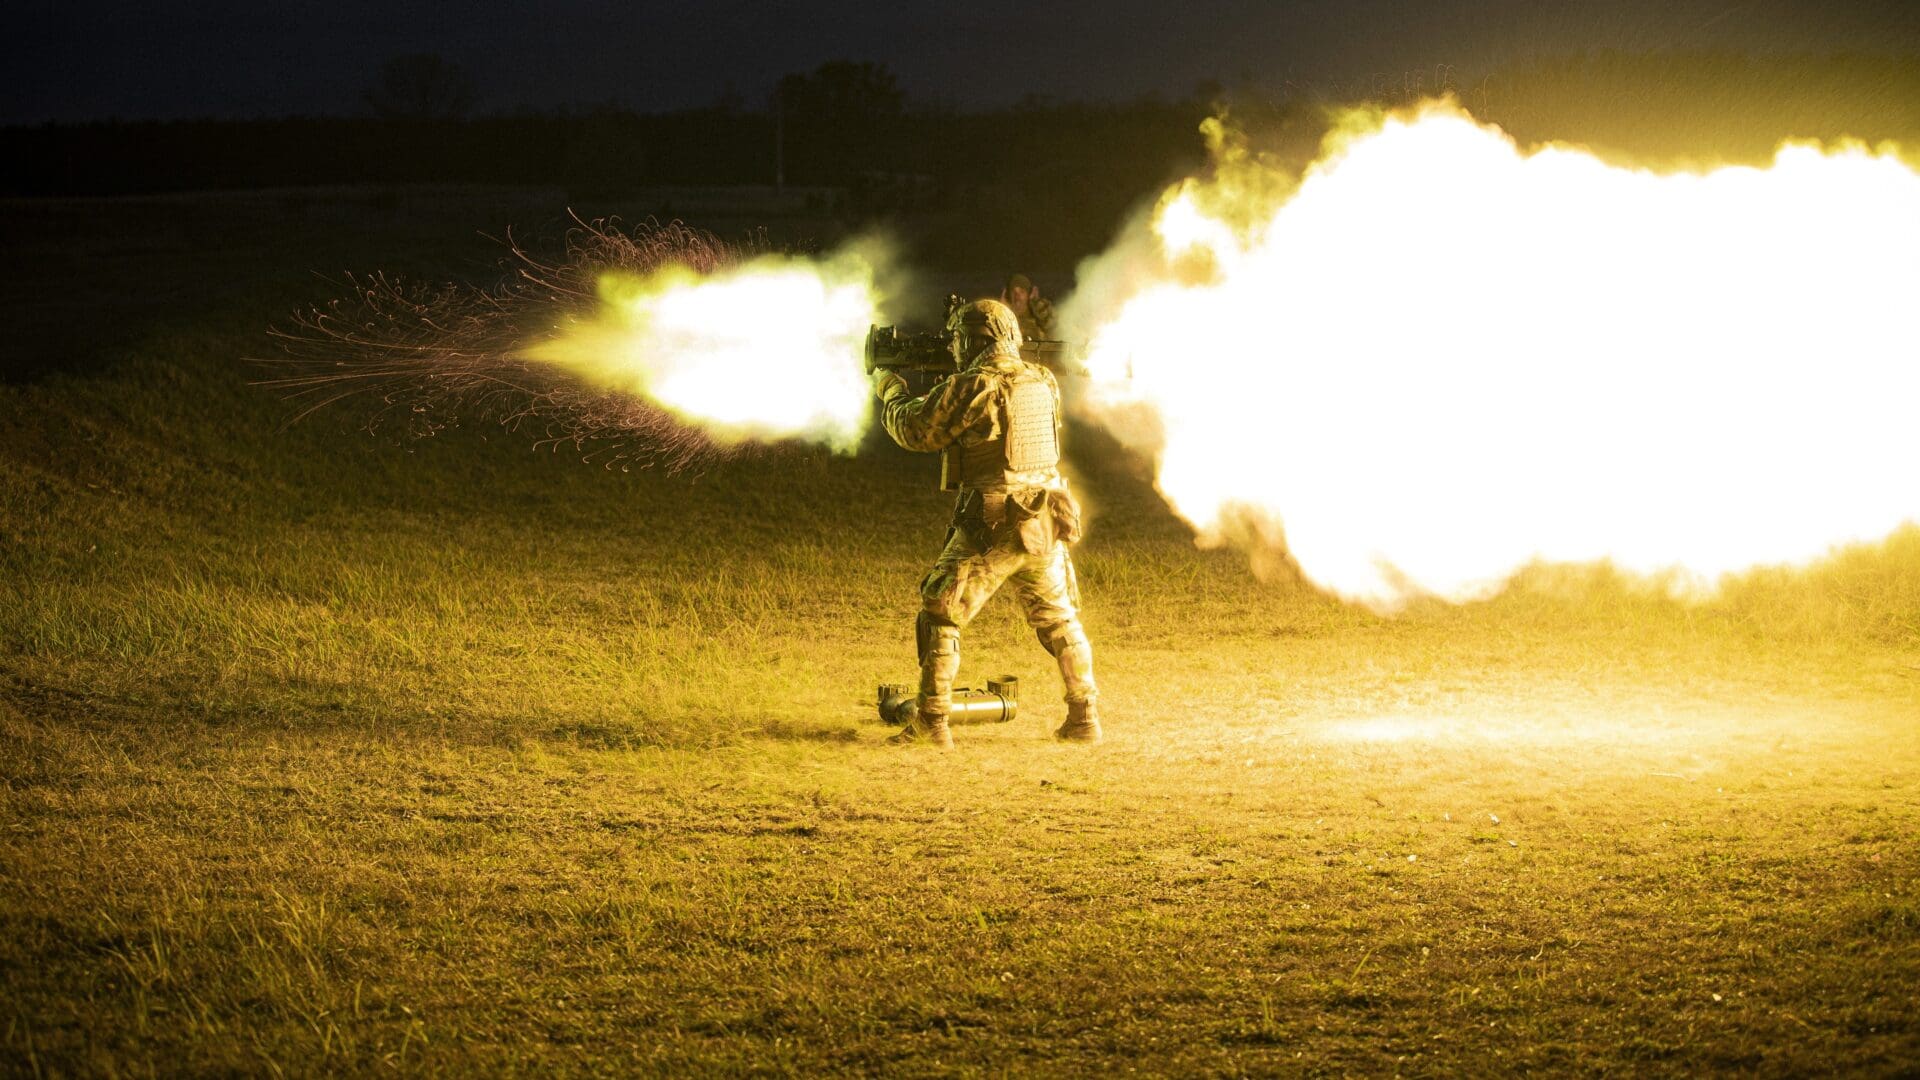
(94, 60)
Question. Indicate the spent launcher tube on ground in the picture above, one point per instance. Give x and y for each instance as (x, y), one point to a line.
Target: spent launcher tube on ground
(997, 704)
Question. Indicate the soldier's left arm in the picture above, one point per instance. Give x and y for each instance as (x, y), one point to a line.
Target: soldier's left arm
(936, 419)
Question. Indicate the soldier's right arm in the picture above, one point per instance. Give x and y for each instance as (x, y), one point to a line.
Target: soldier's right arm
(1043, 318)
(936, 419)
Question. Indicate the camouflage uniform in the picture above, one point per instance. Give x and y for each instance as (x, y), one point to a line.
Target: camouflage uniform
(1037, 322)
(999, 416)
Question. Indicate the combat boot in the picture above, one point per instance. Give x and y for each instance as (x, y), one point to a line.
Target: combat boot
(939, 645)
(931, 730)
(1082, 726)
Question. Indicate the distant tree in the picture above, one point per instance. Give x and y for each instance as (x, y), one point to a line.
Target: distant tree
(835, 122)
(841, 91)
(421, 86)
(730, 101)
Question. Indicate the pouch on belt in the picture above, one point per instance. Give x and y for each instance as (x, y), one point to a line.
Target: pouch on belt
(1029, 520)
(1068, 527)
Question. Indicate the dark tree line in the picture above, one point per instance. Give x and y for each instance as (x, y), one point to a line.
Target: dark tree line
(1071, 170)
(605, 146)
(421, 86)
(846, 120)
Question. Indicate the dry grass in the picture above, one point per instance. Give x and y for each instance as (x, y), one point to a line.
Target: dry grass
(324, 754)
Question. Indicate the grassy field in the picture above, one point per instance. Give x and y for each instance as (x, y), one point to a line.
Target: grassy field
(330, 754)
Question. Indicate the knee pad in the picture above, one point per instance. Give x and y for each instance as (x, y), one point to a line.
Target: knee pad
(1058, 637)
(934, 636)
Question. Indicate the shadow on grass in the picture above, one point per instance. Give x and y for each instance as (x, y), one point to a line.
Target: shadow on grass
(788, 731)
(322, 708)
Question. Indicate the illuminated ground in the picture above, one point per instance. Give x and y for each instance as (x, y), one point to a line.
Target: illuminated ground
(322, 753)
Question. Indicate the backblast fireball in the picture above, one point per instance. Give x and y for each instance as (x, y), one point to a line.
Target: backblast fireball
(1439, 357)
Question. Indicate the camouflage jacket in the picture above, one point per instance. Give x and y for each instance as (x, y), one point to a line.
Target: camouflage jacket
(970, 408)
(1038, 323)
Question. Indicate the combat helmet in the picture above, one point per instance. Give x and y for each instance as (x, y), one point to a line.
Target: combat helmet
(981, 326)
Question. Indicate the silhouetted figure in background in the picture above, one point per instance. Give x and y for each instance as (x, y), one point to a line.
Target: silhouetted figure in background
(1034, 311)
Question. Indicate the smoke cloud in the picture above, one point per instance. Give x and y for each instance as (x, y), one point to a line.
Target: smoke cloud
(1436, 357)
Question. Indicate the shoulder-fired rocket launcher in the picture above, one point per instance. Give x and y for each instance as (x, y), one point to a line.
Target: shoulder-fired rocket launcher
(932, 351)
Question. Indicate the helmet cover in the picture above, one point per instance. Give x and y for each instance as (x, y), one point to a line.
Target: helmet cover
(987, 322)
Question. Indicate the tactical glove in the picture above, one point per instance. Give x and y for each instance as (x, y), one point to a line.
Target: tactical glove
(887, 385)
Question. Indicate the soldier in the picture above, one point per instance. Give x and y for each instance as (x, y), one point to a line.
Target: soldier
(999, 416)
(1034, 311)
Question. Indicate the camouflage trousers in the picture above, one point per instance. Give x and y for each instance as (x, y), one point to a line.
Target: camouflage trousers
(969, 571)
